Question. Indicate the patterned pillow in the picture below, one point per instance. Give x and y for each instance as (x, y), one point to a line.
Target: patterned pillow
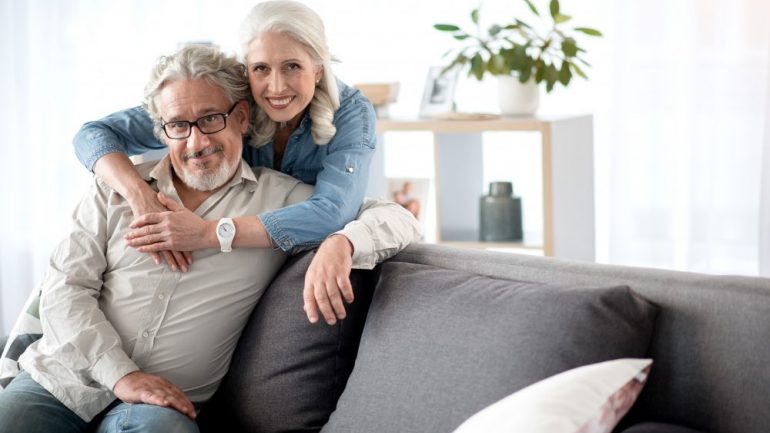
(588, 399)
(26, 330)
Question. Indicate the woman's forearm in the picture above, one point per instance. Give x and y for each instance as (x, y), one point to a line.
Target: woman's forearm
(117, 171)
(249, 232)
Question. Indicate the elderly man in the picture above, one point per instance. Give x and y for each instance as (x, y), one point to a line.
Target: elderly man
(127, 344)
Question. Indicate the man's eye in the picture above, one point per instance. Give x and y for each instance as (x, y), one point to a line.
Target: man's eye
(259, 69)
(177, 126)
(209, 119)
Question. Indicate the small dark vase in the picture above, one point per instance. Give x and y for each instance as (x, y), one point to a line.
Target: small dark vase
(500, 214)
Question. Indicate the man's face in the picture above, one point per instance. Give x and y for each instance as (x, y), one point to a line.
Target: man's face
(203, 162)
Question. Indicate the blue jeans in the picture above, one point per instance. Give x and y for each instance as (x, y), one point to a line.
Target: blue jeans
(27, 407)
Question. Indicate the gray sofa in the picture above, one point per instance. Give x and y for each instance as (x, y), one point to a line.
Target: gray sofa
(436, 334)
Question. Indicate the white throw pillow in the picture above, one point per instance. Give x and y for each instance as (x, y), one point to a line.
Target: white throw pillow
(588, 399)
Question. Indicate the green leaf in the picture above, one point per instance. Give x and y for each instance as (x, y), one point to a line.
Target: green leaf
(475, 16)
(569, 46)
(512, 26)
(461, 59)
(521, 23)
(446, 27)
(525, 75)
(494, 30)
(558, 19)
(477, 66)
(461, 36)
(551, 76)
(532, 7)
(496, 65)
(578, 71)
(554, 8)
(588, 31)
(583, 61)
(565, 75)
(539, 71)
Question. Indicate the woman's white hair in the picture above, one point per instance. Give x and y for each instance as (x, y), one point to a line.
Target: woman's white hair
(195, 62)
(304, 26)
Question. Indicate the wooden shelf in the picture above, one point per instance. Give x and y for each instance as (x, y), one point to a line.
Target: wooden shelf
(462, 126)
(567, 178)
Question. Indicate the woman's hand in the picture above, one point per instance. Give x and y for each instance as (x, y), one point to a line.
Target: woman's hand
(327, 281)
(144, 202)
(174, 228)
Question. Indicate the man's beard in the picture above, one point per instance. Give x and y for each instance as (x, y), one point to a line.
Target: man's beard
(209, 180)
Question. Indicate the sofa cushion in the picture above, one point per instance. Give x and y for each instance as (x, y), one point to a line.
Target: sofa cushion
(587, 399)
(286, 373)
(657, 427)
(439, 345)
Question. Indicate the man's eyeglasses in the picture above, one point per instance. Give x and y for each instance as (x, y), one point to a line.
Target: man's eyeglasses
(208, 124)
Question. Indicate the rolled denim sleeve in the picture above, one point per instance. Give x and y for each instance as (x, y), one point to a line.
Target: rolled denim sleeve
(340, 185)
(129, 131)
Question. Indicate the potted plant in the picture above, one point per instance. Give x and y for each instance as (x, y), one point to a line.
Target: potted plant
(521, 55)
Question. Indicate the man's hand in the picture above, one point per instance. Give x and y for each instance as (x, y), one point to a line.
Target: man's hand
(138, 387)
(176, 228)
(144, 203)
(328, 280)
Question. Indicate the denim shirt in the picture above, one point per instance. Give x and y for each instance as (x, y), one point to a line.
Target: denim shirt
(339, 170)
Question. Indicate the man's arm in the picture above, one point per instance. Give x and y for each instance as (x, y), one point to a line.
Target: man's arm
(74, 327)
(381, 230)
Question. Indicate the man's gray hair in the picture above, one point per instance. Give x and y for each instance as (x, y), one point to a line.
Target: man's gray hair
(304, 26)
(194, 62)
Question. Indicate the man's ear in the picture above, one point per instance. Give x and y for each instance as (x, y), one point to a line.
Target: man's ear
(243, 115)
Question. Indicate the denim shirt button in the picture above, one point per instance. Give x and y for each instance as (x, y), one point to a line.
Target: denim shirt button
(350, 169)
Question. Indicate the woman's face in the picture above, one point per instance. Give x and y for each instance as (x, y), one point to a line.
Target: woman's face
(282, 76)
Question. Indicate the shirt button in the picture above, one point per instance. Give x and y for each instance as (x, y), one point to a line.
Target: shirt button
(145, 334)
(161, 296)
(350, 169)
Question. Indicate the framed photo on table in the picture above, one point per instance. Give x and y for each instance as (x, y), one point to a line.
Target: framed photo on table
(413, 194)
(439, 93)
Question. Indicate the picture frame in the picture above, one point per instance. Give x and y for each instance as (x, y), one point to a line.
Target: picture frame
(414, 195)
(439, 93)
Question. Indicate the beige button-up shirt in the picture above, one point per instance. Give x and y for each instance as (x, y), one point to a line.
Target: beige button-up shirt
(108, 310)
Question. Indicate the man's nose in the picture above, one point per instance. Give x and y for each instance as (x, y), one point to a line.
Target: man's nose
(197, 140)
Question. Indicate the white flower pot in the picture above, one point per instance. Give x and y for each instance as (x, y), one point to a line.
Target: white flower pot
(516, 98)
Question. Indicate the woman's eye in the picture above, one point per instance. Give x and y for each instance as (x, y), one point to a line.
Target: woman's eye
(259, 68)
(293, 67)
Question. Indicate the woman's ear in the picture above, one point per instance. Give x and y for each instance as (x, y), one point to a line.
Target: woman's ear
(319, 74)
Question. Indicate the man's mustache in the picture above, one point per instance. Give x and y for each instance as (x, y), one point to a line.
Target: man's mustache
(203, 152)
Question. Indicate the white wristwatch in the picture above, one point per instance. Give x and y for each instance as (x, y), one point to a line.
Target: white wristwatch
(226, 234)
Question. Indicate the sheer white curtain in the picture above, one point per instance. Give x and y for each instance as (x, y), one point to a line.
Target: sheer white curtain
(764, 215)
(684, 122)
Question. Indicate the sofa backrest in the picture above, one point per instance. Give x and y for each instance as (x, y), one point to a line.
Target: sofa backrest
(710, 345)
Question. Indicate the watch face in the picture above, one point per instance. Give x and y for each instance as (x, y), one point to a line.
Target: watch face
(226, 230)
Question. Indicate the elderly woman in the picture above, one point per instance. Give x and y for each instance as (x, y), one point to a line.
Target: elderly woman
(308, 125)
